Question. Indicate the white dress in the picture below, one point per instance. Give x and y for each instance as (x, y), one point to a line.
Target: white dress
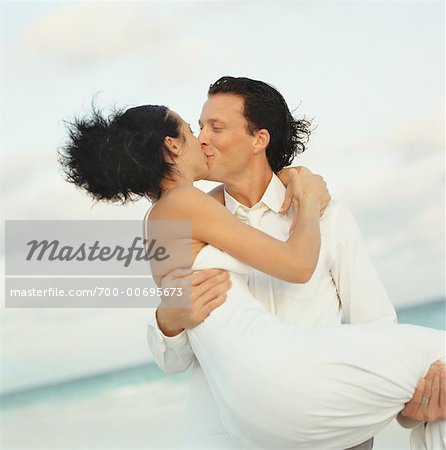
(279, 386)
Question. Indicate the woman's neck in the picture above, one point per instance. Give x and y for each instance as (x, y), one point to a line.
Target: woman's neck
(168, 185)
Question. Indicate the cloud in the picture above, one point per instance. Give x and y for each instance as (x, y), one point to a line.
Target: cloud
(30, 165)
(91, 33)
(400, 208)
(417, 140)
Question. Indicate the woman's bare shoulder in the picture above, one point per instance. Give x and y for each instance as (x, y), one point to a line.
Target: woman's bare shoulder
(182, 202)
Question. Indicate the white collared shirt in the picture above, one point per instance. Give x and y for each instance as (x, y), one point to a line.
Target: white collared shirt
(344, 284)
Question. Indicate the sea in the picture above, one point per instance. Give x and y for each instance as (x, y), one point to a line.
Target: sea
(132, 407)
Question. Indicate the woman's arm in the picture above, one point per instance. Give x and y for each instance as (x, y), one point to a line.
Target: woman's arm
(294, 260)
(287, 176)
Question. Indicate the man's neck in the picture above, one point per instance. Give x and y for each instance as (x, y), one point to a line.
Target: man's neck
(249, 188)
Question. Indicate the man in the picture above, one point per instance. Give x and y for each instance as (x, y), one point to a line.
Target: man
(237, 112)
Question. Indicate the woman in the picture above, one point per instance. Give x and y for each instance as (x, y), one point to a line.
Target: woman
(277, 386)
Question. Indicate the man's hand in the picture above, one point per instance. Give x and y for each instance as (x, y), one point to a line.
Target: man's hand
(203, 291)
(429, 401)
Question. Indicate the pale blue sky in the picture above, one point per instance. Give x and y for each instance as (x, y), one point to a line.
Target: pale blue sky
(371, 74)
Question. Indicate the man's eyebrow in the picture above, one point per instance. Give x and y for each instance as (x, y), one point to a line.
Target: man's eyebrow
(212, 121)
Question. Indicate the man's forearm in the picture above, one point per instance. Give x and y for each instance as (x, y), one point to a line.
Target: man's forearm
(171, 354)
(165, 325)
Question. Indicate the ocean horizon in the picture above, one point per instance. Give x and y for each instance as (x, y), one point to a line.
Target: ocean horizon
(431, 314)
(134, 407)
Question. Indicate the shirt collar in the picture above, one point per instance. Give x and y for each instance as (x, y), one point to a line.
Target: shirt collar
(272, 198)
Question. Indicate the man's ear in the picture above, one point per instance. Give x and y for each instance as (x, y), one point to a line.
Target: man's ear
(172, 145)
(262, 140)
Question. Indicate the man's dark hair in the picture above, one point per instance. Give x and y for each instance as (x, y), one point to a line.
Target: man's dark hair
(265, 107)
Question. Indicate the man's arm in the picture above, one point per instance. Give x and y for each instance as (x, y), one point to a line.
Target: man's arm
(166, 333)
(429, 401)
(171, 354)
(361, 292)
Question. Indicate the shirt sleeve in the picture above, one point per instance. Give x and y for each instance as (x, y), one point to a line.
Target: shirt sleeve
(172, 354)
(360, 290)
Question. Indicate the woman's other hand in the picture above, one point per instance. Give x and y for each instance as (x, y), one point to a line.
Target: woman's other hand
(301, 183)
(287, 173)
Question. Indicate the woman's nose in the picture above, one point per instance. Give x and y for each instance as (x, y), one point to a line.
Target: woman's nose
(203, 138)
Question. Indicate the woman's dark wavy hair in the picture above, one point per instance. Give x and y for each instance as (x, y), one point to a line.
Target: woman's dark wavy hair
(265, 107)
(120, 157)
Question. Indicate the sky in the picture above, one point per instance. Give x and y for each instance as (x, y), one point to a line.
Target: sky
(369, 73)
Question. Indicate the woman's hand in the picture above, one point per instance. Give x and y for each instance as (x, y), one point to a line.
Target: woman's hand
(287, 173)
(301, 184)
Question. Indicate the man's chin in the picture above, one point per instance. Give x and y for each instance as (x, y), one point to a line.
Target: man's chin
(212, 174)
